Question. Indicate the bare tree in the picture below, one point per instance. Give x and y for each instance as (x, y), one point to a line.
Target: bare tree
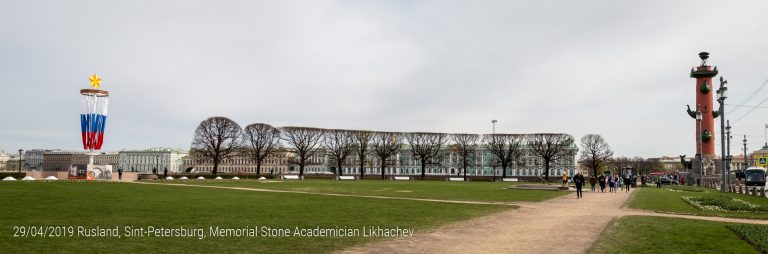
(261, 141)
(386, 145)
(426, 146)
(216, 138)
(340, 144)
(551, 148)
(362, 141)
(506, 148)
(303, 140)
(465, 145)
(595, 152)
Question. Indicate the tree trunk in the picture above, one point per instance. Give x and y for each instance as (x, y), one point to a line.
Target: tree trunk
(594, 169)
(301, 167)
(215, 166)
(423, 171)
(362, 165)
(504, 170)
(465, 170)
(383, 166)
(546, 168)
(338, 169)
(258, 167)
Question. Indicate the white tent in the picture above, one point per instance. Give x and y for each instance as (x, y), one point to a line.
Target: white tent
(51, 178)
(9, 179)
(235, 178)
(183, 178)
(169, 178)
(200, 178)
(28, 178)
(218, 178)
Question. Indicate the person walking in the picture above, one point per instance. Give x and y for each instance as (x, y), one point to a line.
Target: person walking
(592, 181)
(601, 180)
(578, 179)
(658, 182)
(165, 172)
(642, 181)
(611, 183)
(627, 182)
(565, 178)
(120, 174)
(619, 182)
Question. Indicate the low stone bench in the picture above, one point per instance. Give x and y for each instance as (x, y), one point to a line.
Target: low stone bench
(346, 178)
(292, 177)
(455, 179)
(147, 177)
(510, 180)
(401, 178)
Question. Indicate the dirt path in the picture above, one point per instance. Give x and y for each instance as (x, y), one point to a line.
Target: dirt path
(560, 225)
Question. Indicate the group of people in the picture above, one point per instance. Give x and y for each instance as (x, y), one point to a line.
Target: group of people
(614, 182)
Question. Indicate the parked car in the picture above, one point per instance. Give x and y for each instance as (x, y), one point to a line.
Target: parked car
(666, 180)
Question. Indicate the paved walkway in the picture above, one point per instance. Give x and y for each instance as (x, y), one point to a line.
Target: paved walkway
(560, 225)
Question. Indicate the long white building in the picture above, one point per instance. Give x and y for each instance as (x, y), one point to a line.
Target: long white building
(152, 158)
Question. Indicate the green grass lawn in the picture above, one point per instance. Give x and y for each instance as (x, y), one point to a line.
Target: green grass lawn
(663, 200)
(124, 204)
(466, 191)
(644, 234)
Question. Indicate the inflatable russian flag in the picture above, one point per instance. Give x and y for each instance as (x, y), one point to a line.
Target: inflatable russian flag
(92, 121)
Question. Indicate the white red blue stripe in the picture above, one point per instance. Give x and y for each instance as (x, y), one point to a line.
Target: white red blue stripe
(93, 121)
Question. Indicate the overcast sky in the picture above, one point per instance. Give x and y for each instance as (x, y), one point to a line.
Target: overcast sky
(616, 68)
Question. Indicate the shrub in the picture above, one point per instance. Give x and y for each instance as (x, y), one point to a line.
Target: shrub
(757, 235)
(717, 202)
(16, 175)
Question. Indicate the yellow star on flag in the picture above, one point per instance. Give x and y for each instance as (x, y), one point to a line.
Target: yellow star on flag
(95, 81)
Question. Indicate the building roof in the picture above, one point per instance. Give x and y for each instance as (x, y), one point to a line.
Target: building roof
(155, 149)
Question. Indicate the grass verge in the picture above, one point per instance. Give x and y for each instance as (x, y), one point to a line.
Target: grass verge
(646, 234)
(110, 205)
(671, 201)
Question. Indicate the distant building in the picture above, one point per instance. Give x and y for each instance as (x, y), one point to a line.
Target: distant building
(58, 160)
(483, 163)
(33, 159)
(403, 163)
(3, 160)
(13, 164)
(149, 159)
(239, 163)
(670, 163)
(81, 160)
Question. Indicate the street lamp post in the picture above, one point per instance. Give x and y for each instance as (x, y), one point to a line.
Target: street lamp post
(157, 164)
(21, 151)
(494, 137)
(701, 149)
(746, 162)
(728, 154)
(722, 94)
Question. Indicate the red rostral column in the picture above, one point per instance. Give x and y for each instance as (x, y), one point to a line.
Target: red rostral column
(703, 75)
